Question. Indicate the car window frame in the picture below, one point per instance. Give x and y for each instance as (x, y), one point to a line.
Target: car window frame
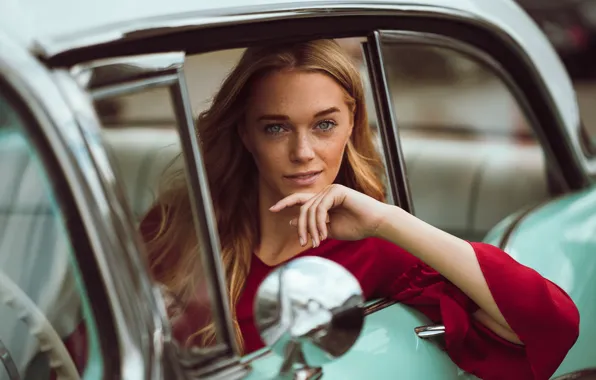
(390, 38)
(130, 75)
(38, 129)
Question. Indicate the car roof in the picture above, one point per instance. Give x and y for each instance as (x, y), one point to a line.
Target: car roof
(47, 28)
(35, 21)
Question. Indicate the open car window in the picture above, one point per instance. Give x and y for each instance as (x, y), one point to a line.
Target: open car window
(45, 314)
(471, 156)
(148, 132)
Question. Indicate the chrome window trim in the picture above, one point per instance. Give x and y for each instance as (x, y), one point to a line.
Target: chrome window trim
(117, 89)
(140, 327)
(228, 17)
(204, 215)
(138, 341)
(399, 188)
(481, 57)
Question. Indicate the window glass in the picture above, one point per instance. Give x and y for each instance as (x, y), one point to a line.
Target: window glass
(471, 156)
(41, 294)
(140, 134)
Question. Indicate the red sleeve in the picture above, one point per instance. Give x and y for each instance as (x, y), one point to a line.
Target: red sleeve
(541, 314)
(77, 346)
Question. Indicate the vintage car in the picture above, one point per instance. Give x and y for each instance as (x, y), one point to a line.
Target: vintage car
(477, 121)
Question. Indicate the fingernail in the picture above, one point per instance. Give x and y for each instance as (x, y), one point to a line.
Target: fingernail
(302, 243)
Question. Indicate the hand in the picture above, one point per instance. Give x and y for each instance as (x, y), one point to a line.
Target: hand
(337, 212)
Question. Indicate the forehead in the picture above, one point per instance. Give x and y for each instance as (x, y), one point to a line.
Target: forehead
(291, 89)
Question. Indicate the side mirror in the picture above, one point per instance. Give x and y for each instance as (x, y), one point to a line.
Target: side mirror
(309, 311)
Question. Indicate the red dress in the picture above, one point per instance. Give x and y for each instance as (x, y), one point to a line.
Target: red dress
(542, 315)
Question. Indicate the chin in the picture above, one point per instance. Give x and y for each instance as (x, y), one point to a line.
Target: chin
(286, 188)
(314, 188)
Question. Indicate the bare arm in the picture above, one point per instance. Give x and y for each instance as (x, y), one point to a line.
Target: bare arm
(453, 257)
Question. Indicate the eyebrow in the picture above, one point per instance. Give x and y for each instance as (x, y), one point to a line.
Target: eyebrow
(324, 112)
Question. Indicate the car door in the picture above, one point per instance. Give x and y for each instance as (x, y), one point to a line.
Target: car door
(49, 324)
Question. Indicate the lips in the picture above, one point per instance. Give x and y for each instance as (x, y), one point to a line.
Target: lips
(303, 175)
(304, 178)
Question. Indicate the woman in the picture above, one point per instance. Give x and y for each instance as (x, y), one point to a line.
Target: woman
(293, 172)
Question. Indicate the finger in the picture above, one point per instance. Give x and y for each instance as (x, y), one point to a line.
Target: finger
(313, 218)
(322, 217)
(302, 223)
(291, 200)
(294, 222)
(312, 221)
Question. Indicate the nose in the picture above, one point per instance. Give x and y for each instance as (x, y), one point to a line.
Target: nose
(302, 149)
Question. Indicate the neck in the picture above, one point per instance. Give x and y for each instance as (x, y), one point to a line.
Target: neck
(278, 239)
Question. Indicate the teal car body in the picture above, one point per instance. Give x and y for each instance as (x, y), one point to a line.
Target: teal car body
(97, 180)
(570, 245)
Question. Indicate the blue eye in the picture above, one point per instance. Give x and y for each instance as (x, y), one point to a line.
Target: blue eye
(274, 128)
(326, 125)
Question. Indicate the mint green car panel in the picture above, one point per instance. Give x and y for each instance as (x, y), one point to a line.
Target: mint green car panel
(558, 239)
(495, 235)
(388, 348)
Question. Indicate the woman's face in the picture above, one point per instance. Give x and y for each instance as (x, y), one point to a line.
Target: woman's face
(297, 126)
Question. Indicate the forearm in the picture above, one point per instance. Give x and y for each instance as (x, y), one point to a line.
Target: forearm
(452, 257)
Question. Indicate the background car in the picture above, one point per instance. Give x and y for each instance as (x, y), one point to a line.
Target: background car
(570, 25)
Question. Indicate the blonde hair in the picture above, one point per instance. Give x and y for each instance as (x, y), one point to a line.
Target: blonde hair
(173, 253)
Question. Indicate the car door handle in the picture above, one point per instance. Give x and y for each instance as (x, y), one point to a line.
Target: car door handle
(429, 331)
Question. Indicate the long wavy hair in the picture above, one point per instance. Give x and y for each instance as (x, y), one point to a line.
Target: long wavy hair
(232, 173)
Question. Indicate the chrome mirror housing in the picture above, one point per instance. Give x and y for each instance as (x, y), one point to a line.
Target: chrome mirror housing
(309, 311)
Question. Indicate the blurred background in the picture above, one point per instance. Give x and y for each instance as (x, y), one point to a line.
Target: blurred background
(570, 25)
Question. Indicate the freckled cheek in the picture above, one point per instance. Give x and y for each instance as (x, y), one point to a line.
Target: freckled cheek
(270, 157)
(331, 153)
